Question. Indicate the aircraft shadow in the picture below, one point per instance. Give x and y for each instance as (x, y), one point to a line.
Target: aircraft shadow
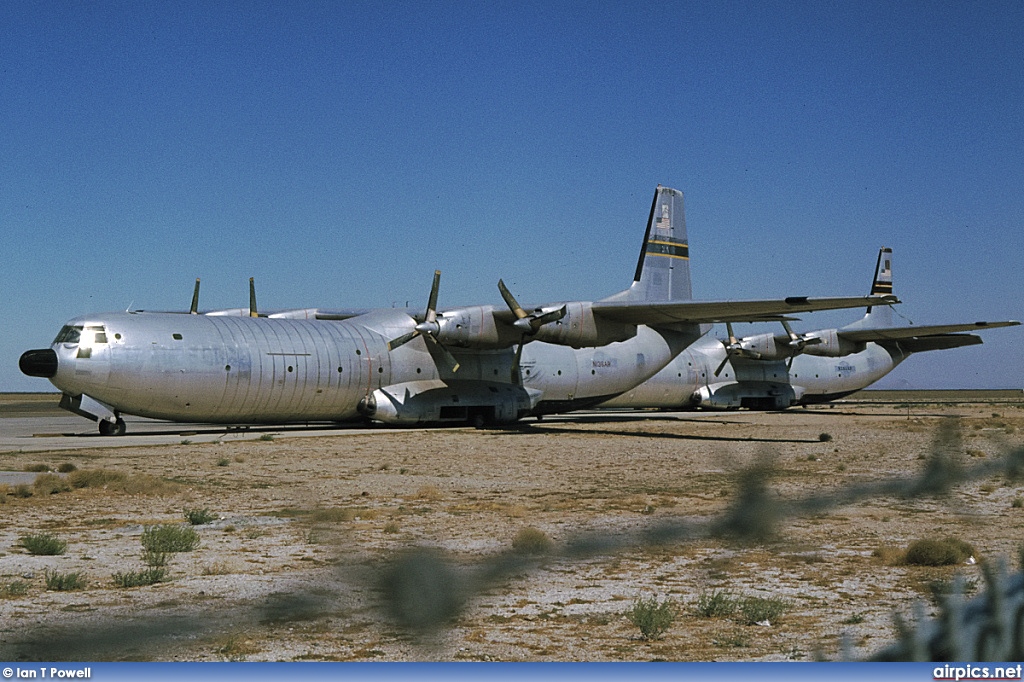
(534, 429)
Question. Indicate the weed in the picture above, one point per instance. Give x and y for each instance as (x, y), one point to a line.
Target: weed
(391, 527)
(37, 468)
(64, 582)
(199, 517)
(755, 610)
(154, 558)
(429, 492)
(95, 478)
(812, 458)
(50, 484)
(186, 441)
(168, 538)
(43, 544)
(266, 437)
(931, 552)
(855, 619)
(531, 541)
(67, 468)
(332, 515)
(148, 576)
(652, 617)
(18, 588)
(223, 462)
(716, 604)
(1017, 503)
(22, 490)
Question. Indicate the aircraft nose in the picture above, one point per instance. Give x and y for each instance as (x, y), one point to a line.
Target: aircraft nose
(39, 363)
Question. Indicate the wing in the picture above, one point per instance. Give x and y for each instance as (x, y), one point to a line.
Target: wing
(727, 311)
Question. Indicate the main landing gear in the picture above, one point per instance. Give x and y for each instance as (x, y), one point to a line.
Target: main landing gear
(116, 428)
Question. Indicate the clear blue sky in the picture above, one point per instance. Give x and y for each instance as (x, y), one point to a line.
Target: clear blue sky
(339, 152)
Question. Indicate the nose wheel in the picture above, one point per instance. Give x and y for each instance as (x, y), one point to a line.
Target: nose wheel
(116, 428)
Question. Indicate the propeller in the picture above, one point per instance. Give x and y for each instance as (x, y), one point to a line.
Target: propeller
(527, 323)
(194, 310)
(797, 342)
(429, 327)
(734, 347)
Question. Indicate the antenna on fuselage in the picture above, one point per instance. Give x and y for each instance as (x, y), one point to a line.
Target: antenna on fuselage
(252, 299)
(194, 310)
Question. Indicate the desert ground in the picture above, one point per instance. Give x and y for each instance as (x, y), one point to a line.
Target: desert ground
(522, 544)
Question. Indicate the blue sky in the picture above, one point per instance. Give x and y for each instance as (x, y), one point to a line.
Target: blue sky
(339, 152)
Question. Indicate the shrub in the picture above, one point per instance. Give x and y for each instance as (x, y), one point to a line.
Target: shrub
(716, 604)
(652, 617)
(824, 437)
(95, 478)
(1017, 503)
(759, 609)
(50, 484)
(931, 552)
(22, 490)
(43, 544)
(67, 468)
(199, 517)
(64, 582)
(16, 589)
(149, 576)
(37, 468)
(391, 527)
(531, 541)
(154, 558)
(168, 538)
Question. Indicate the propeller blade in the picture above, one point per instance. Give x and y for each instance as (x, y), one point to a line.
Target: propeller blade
(448, 357)
(194, 310)
(511, 301)
(517, 377)
(431, 313)
(402, 340)
(252, 298)
(728, 356)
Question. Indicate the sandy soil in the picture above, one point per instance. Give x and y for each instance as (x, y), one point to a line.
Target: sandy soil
(305, 529)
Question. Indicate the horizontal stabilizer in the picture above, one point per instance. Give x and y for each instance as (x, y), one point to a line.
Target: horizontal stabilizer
(920, 344)
(895, 333)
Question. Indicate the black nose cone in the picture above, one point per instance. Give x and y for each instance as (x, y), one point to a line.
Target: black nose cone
(39, 363)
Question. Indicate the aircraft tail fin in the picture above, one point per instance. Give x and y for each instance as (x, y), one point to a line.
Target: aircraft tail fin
(663, 269)
(881, 285)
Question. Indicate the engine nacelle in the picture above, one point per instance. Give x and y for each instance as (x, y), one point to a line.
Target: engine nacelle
(832, 345)
(752, 395)
(765, 347)
(476, 327)
(580, 328)
(438, 402)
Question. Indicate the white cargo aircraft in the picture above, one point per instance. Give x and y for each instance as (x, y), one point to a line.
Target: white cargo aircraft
(481, 364)
(776, 371)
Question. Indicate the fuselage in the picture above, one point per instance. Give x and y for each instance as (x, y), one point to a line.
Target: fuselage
(236, 369)
(690, 381)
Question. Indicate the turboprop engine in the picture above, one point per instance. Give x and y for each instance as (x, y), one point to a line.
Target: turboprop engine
(831, 344)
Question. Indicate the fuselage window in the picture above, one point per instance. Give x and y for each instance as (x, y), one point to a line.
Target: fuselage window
(99, 334)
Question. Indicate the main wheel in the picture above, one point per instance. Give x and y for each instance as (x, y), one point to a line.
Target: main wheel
(116, 428)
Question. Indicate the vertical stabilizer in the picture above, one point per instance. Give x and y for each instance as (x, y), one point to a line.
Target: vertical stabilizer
(881, 284)
(663, 270)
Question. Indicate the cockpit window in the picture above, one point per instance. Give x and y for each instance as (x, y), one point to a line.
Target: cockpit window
(69, 335)
(91, 335)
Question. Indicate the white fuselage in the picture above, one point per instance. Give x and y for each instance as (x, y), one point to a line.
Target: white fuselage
(234, 369)
(689, 380)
